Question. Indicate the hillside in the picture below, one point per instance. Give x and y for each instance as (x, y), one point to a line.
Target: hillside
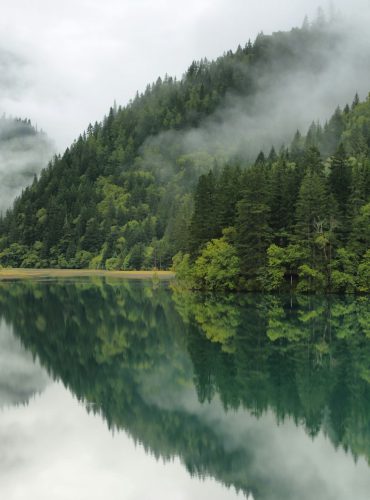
(299, 219)
(126, 194)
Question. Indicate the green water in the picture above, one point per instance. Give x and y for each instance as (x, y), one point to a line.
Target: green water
(129, 390)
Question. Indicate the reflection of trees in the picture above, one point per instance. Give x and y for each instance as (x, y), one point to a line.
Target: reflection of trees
(122, 348)
(218, 319)
(118, 347)
(307, 357)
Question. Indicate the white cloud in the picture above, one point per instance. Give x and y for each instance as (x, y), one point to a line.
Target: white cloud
(80, 55)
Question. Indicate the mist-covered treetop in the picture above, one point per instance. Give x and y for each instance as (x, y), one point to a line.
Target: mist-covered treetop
(176, 168)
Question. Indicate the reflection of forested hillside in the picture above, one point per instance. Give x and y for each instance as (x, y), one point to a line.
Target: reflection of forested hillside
(308, 359)
(20, 377)
(123, 348)
(104, 341)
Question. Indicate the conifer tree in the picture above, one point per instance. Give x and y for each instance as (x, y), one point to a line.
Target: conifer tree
(312, 207)
(340, 178)
(252, 225)
(203, 225)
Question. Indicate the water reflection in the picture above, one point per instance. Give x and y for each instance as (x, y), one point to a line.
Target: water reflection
(267, 395)
(21, 378)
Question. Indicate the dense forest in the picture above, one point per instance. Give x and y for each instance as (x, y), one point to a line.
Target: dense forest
(156, 364)
(297, 219)
(130, 194)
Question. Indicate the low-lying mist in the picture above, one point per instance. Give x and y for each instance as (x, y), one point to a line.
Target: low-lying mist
(23, 153)
(301, 81)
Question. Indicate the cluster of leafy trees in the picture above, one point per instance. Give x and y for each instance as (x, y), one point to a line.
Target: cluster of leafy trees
(117, 199)
(303, 357)
(297, 219)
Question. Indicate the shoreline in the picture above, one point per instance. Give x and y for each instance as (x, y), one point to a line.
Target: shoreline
(19, 274)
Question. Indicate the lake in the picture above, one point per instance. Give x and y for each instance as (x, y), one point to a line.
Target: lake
(124, 389)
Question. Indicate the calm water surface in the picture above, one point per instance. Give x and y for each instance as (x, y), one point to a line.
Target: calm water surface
(126, 390)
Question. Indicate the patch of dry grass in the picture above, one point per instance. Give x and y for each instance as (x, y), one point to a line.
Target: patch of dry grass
(20, 274)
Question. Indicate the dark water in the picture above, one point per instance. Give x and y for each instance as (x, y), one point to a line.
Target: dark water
(125, 390)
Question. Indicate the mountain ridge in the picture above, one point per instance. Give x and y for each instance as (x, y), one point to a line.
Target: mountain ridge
(123, 196)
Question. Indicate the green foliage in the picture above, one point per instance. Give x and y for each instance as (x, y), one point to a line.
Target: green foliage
(112, 264)
(252, 224)
(217, 267)
(203, 226)
(14, 255)
(96, 262)
(275, 272)
(364, 273)
(360, 237)
(310, 279)
(343, 276)
(312, 206)
(130, 193)
(183, 269)
(82, 259)
(283, 264)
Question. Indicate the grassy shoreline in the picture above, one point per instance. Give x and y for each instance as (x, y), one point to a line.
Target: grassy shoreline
(19, 274)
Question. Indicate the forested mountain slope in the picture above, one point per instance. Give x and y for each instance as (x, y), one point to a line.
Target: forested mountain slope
(125, 194)
(298, 219)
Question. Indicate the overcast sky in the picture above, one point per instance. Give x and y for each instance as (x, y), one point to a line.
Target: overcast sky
(62, 64)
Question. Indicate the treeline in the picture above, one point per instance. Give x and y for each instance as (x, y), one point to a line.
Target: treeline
(118, 199)
(11, 128)
(297, 219)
